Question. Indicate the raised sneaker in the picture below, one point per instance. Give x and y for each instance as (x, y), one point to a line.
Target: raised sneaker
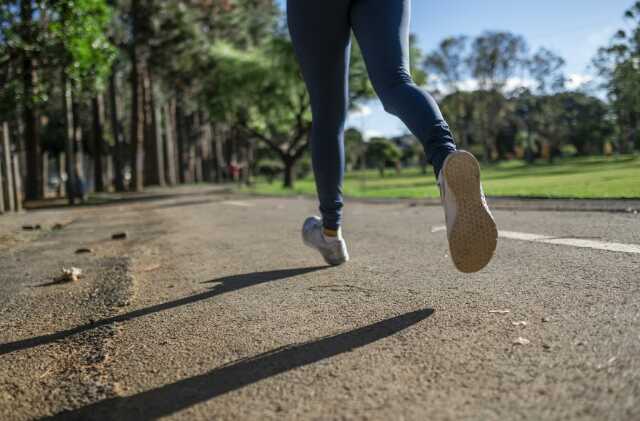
(471, 229)
(332, 249)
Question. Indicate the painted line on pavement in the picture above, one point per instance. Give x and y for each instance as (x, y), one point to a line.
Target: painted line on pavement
(563, 241)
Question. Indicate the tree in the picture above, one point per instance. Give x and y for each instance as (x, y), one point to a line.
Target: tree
(355, 148)
(546, 69)
(495, 59)
(23, 32)
(381, 152)
(261, 93)
(39, 37)
(448, 63)
(84, 56)
(619, 66)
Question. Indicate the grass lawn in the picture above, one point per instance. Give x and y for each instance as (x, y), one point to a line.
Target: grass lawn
(590, 177)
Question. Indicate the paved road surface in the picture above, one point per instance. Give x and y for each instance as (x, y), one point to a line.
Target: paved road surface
(213, 309)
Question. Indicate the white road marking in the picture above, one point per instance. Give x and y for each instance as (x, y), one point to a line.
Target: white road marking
(238, 203)
(573, 242)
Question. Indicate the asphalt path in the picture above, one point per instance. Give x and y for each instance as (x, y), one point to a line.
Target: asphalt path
(212, 308)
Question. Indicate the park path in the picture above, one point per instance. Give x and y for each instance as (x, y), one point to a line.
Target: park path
(223, 314)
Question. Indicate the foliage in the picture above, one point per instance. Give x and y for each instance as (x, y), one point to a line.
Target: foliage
(79, 32)
(382, 152)
(619, 65)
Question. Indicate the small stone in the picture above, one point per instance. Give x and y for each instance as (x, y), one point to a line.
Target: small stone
(546, 346)
(84, 250)
(521, 341)
(522, 323)
(546, 319)
(119, 236)
(72, 274)
(57, 227)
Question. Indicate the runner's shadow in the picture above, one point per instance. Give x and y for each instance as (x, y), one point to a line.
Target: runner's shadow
(226, 284)
(174, 397)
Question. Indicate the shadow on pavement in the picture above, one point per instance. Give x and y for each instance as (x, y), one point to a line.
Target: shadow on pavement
(107, 199)
(226, 284)
(174, 397)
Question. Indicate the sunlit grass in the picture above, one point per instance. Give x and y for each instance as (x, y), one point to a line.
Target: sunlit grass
(590, 177)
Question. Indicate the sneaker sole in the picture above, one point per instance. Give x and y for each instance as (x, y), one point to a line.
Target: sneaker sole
(329, 262)
(474, 235)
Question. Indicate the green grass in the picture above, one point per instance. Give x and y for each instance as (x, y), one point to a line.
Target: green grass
(590, 177)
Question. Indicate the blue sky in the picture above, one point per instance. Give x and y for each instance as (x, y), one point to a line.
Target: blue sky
(573, 29)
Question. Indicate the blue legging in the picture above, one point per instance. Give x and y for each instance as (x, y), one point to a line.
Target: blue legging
(321, 34)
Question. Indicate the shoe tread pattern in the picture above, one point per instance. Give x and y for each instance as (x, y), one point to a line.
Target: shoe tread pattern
(474, 235)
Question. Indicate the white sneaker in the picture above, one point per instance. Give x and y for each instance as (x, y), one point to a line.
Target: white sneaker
(471, 229)
(333, 249)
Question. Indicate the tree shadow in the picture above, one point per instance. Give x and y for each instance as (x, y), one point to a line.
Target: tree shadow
(174, 397)
(226, 284)
(118, 199)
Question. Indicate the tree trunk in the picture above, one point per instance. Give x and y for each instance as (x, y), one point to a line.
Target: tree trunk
(181, 138)
(8, 175)
(289, 176)
(250, 160)
(137, 118)
(157, 125)
(97, 106)
(116, 129)
(78, 168)
(170, 145)
(31, 138)
(68, 144)
(17, 184)
(152, 153)
(207, 153)
(45, 173)
(137, 131)
(195, 167)
(219, 151)
(2, 189)
(60, 163)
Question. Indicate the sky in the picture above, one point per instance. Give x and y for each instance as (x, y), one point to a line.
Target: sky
(574, 29)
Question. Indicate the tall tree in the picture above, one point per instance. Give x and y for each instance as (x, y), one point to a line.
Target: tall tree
(619, 65)
(448, 63)
(33, 182)
(546, 69)
(495, 59)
